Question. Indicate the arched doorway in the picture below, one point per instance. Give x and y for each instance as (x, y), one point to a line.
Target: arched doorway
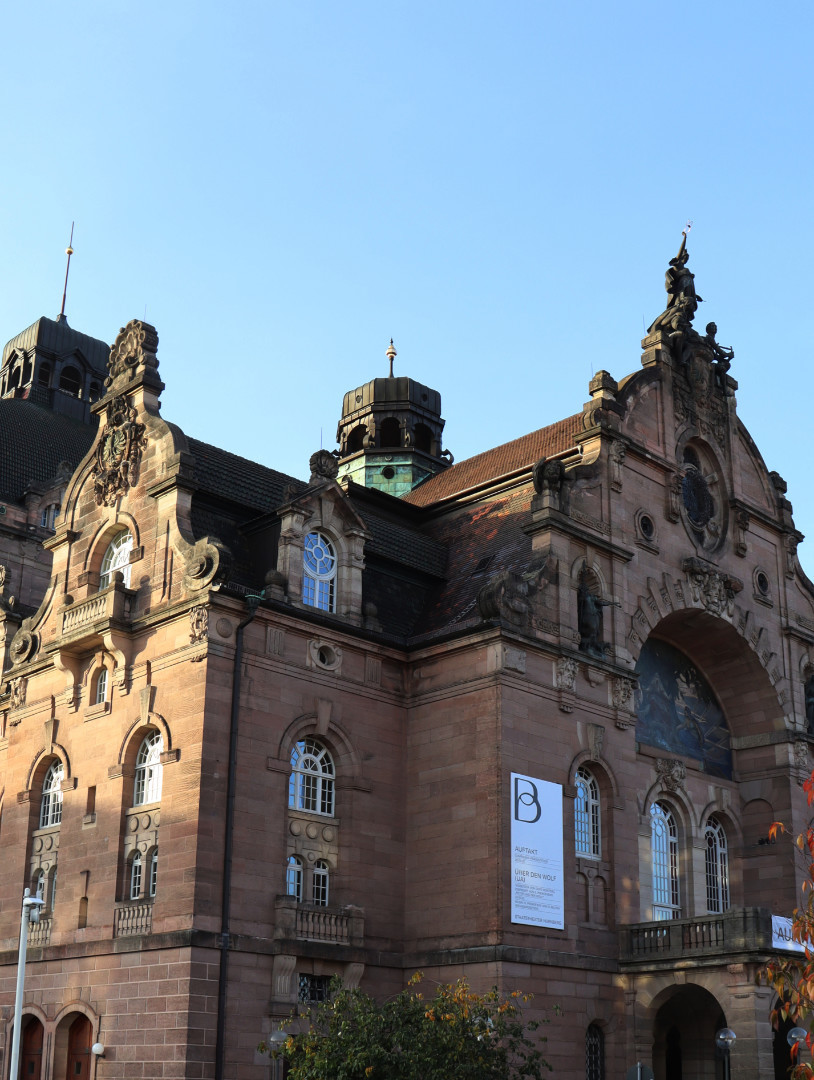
(684, 1036)
(80, 1038)
(31, 1050)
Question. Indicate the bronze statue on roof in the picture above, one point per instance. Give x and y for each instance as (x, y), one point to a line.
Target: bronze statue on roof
(683, 300)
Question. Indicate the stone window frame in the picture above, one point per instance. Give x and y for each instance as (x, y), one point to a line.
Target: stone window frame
(135, 876)
(152, 873)
(716, 866)
(148, 776)
(50, 813)
(587, 815)
(294, 875)
(665, 865)
(325, 786)
(313, 581)
(116, 557)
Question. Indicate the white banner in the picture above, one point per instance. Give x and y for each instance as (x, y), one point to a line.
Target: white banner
(538, 895)
(782, 937)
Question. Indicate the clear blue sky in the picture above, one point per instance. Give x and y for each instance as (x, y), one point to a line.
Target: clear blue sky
(499, 186)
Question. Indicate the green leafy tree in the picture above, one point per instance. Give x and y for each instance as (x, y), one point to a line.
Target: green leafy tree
(793, 977)
(454, 1035)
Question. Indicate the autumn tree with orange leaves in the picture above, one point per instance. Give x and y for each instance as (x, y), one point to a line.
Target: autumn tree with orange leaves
(793, 978)
(456, 1034)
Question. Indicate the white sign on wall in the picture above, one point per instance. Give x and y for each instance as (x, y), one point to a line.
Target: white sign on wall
(782, 937)
(538, 895)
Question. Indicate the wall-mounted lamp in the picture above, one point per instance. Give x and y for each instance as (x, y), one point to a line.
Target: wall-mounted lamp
(98, 1049)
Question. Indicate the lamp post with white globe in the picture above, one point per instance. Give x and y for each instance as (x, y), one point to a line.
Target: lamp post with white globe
(724, 1040)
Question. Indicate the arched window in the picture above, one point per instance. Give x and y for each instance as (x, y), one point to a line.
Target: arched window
(717, 866)
(135, 876)
(594, 1053)
(588, 838)
(51, 805)
(319, 572)
(147, 787)
(390, 433)
(70, 381)
(319, 889)
(293, 878)
(100, 694)
(311, 784)
(356, 439)
(664, 850)
(117, 557)
(154, 872)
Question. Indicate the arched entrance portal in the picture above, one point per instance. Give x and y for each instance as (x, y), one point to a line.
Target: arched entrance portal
(684, 1036)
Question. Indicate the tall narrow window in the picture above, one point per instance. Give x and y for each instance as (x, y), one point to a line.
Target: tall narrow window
(116, 557)
(311, 784)
(39, 886)
(588, 838)
(319, 572)
(319, 891)
(293, 878)
(664, 850)
(135, 876)
(100, 697)
(717, 867)
(147, 787)
(53, 888)
(51, 805)
(594, 1053)
(154, 872)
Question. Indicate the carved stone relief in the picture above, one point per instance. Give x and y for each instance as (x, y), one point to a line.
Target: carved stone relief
(671, 773)
(711, 589)
(118, 453)
(18, 688)
(135, 345)
(198, 624)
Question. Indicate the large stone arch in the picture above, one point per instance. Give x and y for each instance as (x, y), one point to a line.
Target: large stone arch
(735, 658)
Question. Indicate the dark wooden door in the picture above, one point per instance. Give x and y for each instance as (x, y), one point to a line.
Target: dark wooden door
(31, 1051)
(80, 1034)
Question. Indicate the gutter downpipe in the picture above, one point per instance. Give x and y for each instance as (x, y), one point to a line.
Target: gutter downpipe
(223, 944)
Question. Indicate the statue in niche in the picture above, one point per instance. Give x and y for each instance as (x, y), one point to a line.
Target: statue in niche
(808, 691)
(590, 616)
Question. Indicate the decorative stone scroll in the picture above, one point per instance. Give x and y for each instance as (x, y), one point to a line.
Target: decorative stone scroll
(324, 466)
(118, 453)
(23, 646)
(135, 347)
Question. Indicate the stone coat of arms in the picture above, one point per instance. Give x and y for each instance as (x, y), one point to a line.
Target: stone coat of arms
(118, 454)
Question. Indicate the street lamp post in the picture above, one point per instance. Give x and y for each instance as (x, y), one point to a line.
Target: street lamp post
(724, 1040)
(796, 1035)
(30, 913)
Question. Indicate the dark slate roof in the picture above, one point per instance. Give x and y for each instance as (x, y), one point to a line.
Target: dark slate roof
(489, 531)
(240, 481)
(501, 461)
(61, 340)
(33, 443)
(403, 544)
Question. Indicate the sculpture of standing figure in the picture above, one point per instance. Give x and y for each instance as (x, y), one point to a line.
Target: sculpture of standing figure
(683, 300)
(590, 619)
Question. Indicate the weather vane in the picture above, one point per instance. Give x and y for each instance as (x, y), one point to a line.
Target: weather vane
(68, 252)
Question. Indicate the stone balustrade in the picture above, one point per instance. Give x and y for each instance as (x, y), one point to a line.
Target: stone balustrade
(39, 933)
(735, 931)
(112, 604)
(133, 917)
(308, 922)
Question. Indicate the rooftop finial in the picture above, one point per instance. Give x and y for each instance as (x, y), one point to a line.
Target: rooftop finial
(68, 251)
(391, 354)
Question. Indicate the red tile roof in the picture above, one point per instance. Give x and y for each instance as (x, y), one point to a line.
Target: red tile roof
(510, 457)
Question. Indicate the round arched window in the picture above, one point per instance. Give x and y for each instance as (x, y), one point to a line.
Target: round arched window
(147, 786)
(51, 805)
(116, 557)
(319, 572)
(311, 784)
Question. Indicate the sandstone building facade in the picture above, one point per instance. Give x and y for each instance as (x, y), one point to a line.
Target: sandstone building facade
(256, 731)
